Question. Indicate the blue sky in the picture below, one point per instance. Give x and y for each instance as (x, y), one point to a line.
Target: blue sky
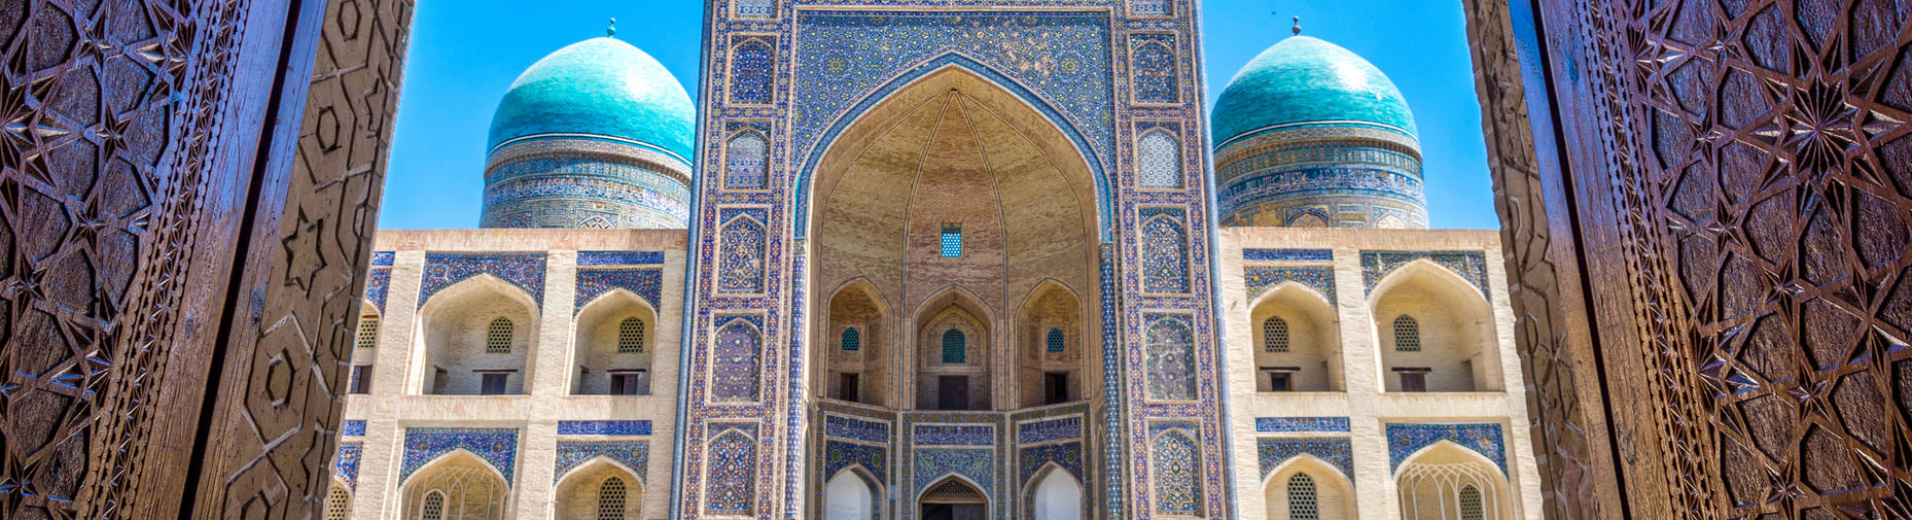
(465, 53)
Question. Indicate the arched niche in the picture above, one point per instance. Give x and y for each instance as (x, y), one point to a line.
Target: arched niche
(600, 490)
(1055, 494)
(857, 358)
(954, 353)
(1447, 340)
(1304, 482)
(1445, 481)
(464, 486)
(1051, 350)
(459, 350)
(852, 495)
(952, 158)
(616, 346)
(953, 498)
(1297, 341)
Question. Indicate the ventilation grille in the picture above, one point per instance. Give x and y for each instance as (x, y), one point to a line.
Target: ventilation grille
(434, 507)
(1055, 340)
(1470, 503)
(1274, 334)
(1407, 334)
(1301, 498)
(630, 336)
(337, 504)
(611, 499)
(498, 336)
(954, 346)
(852, 339)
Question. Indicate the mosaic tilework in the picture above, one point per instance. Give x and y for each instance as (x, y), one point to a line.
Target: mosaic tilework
(733, 475)
(933, 464)
(447, 269)
(740, 265)
(1288, 255)
(496, 446)
(856, 429)
(1261, 278)
(632, 454)
(753, 71)
(1066, 455)
(1300, 424)
(1338, 451)
(734, 375)
(604, 427)
(345, 465)
(645, 283)
(1164, 251)
(1158, 161)
(745, 158)
(617, 258)
(755, 8)
(1150, 7)
(1051, 430)
(578, 189)
(1470, 265)
(839, 455)
(1154, 68)
(384, 258)
(378, 285)
(1177, 474)
(353, 428)
(1171, 359)
(953, 435)
(1405, 439)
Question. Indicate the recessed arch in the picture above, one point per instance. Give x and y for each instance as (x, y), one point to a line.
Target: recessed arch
(1312, 360)
(853, 493)
(467, 487)
(598, 489)
(601, 362)
(1050, 337)
(858, 335)
(1055, 493)
(451, 341)
(1432, 482)
(960, 382)
(1453, 347)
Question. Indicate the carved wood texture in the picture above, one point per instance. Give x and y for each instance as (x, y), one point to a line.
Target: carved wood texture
(1743, 177)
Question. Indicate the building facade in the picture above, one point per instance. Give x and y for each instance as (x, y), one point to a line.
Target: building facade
(942, 260)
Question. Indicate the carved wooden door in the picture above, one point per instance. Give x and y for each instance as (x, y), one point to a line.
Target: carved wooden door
(1736, 177)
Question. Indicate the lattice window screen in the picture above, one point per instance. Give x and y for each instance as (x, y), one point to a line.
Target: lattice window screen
(1158, 161)
(611, 499)
(852, 339)
(630, 336)
(1055, 340)
(498, 336)
(1274, 334)
(1301, 498)
(434, 507)
(746, 155)
(955, 347)
(953, 492)
(368, 332)
(1470, 503)
(952, 241)
(338, 504)
(1407, 334)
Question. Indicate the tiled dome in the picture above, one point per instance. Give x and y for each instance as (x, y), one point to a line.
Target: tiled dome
(1307, 80)
(598, 87)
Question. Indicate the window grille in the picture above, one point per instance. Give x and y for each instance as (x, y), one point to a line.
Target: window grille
(630, 336)
(337, 504)
(852, 339)
(1301, 498)
(952, 241)
(746, 155)
(1158, 161)
(498, 336)
(434, 506)
(1470, 503)
(1055, 340)
(954, 345)
(1407, 334)
(611, 499)
(368, 332)
(1274, 334)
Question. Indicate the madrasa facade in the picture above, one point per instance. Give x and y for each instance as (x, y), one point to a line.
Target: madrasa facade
(942, 260)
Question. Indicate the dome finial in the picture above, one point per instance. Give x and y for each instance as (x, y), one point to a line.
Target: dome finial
(1297, 26)
(611, 31)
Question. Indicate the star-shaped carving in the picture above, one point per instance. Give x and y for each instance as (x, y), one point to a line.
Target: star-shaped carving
(303, 263)
(1821, 128)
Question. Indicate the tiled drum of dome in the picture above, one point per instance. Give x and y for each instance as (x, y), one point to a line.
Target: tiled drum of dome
(566, 190)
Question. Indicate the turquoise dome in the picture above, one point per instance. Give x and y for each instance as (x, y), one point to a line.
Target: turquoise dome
(1303, 80)
(600, 86)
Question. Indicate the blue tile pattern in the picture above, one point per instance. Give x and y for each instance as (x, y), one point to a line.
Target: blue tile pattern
(378, 284)
(1164, 251)
(1177, 474)
(600, 87)
(1469, 265)
(581, 184)
(645, 283)
(843, 427)
(753, 71)
(604, 427)
(733, 474)
(617, 258)
(353, 428)
(1050, 430)
(1405, 439)
(1338, 451)
(1288, 255)
(495, 446)
(953, 435)
(932, 465)
(745, 160)
(384, 258)
(839, 455)
(447, 269)
(1066, 455)
(346, 464)
(634, 455)
(1260, 278)
(740, 265)
(1300, 424)
(1154, 69)
(734, 376)
(1171, 358)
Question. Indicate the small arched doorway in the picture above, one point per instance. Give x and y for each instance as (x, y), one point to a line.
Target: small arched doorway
(954, 499)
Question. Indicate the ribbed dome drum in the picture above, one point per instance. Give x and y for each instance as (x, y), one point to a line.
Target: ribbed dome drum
(595, 135)
(1312, 135)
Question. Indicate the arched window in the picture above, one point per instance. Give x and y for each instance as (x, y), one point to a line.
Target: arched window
(1407, 334)
(745, 156)
(1274, 334)
(611, 499)
(368, 332)
(955, 347)
(337, 503)
(1055, 340)
(498, 336)
(1158, 161)
(434, 506)
(1301, 498)
(852, 339)
(1470, 503)
(630, 336)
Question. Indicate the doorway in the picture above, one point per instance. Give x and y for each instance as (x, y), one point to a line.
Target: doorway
(954, 500)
